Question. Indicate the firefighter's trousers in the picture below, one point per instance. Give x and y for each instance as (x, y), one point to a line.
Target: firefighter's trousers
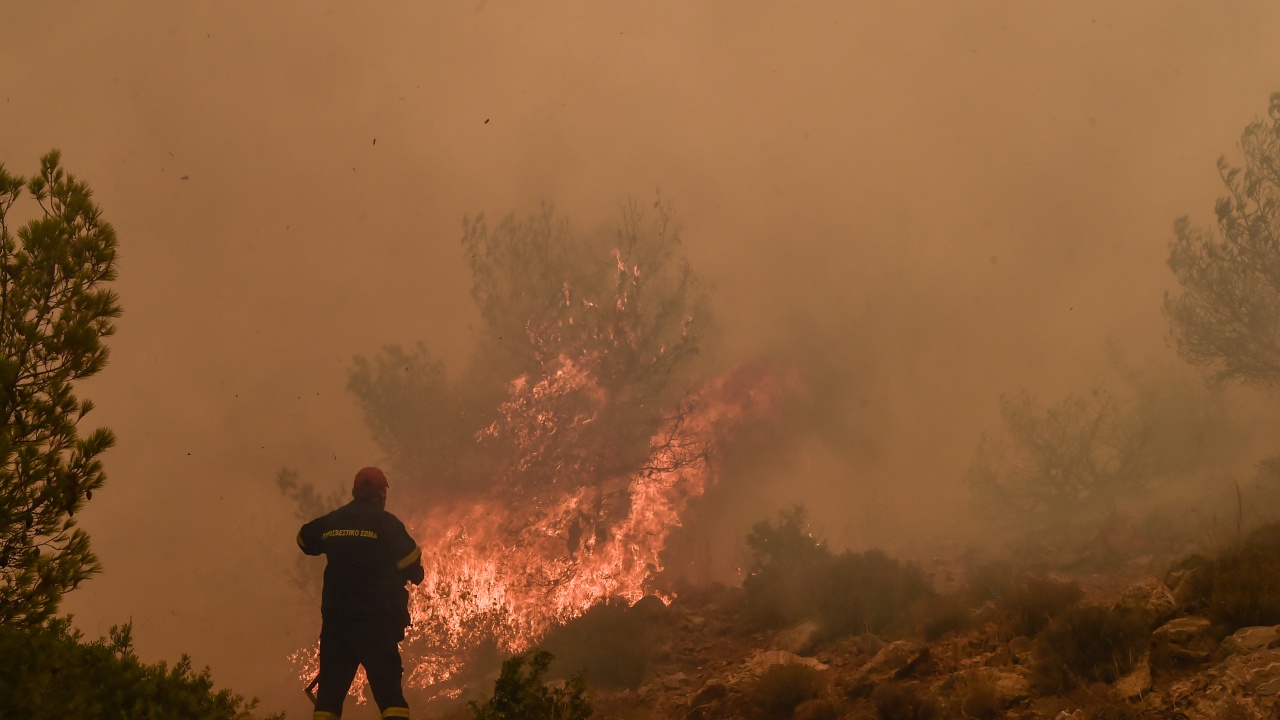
(343, 647)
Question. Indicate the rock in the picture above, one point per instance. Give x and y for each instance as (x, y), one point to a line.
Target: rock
(1187, 639)
(815, 709)
(1183, 631)
(762, 661)
(714, 690)
(695, 623)
(1250, 639)
(1135, 683)
(1020, 648)
(1257, 673)
(799, 639)
(675, 681)
(1150, 597)
(893, 661)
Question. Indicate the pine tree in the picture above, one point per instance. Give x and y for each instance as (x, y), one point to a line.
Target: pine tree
(55, 312)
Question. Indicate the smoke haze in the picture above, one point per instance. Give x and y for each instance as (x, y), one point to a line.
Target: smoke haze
(921, 205)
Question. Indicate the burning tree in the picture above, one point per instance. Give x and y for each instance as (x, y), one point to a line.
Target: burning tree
(550, 473)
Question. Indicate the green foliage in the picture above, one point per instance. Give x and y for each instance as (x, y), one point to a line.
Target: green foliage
(610, 645)
(1227, 318)
(782, 688)
(55, 313)
(519, 693)
(904, 701)
(1087, 644)
(49, 672)
(792, 577)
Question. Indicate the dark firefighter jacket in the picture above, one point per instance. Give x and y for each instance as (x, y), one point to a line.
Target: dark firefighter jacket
(371, 557)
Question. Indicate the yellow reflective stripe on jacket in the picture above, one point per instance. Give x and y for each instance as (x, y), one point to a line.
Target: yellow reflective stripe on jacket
(396, 712)
(405, 562)
(300, 543)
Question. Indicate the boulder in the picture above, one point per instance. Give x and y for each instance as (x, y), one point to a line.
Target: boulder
(1020, 649)
(1136, 682)
(1256, 674)
(893, 661)
(799, 639)
(1250, 639)
(675, 681)
(1185, 638)
(762, 661)
(1183, 631)
(711, 692)
(1149, 597)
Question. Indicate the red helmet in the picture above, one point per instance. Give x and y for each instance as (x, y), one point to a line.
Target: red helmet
(370, 477)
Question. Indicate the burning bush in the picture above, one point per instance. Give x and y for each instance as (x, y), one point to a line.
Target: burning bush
(782, 688)
(519, 694)
(794, 577)
(1086, 644)
(610, 645)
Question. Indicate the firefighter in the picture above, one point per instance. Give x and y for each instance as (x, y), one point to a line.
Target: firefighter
(365, 606)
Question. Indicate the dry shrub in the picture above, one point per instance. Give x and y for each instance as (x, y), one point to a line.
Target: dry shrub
(1031, 602)
(1087, 644)
(868, 592)
(793, 576)
(976, 696)
(1100, 703)
(904, 701)
(940, 615)
(782, 688)
(816, 709)
(1244, 583)
(610, 644)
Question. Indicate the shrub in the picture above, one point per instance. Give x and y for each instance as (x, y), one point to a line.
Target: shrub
(50, 672)
(1244, 582)
(1033, 601)
(904, 701)
(1086, 644)
(782, 688)
(792, 577)
(520, 695)
(976, 696)
(943, 614)
(1100, 703)
(610, 645)
(867, 592)
(786, 561)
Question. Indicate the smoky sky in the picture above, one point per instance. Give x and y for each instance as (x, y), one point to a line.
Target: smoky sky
(927, 204)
